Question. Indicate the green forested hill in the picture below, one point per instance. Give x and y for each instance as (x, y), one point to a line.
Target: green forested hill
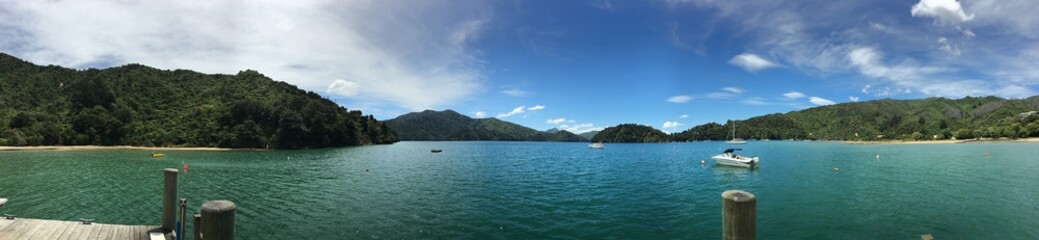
(144, 106)
(941, 118)
(449, 125)
(630, 133)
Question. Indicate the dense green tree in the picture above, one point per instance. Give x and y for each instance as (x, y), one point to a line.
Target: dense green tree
(139, 105)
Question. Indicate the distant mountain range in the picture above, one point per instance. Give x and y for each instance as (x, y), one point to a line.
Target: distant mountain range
(886, 119)
(449, 125)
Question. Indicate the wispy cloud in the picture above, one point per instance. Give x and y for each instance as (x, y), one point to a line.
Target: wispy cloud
(514, 92)
(794, 95)
(684, 116)
(580, 128)
(735, 90)
(756, 101)
(751, 62)
(536, 107)
(556, 121)
(853, 98)
(818, 101)
(514, 111)
(680, 99)
(480, 114)
(412, 56)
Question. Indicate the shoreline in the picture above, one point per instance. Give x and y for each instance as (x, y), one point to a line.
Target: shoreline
(95, 147)
(944, 141)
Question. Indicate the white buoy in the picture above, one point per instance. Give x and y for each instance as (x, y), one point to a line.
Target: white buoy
(702, 162)
(836, 169)
(878, 156)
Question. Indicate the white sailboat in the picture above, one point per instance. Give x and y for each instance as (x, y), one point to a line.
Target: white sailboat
(597, 145)
(734, 139)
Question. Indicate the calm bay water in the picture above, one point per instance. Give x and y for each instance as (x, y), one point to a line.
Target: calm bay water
(527, 190)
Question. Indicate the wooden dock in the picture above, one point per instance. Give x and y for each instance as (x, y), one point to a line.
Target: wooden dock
(22, 228)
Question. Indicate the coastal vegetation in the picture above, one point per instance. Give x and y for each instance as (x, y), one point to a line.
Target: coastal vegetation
(630, 133)
(449, 125)
(143, 106)
(887, 119)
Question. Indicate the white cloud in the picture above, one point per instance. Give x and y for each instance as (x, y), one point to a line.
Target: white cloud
(948, 11)
(751, 62)
(680, 99)
(480, 114)
(943, 44)
(670, 126)
(536, 107)
(514, 92)
(556, 121)
(580, 128)
(514, 111)
(756, 101)
(853, 98)
(794, 95)
(735, 90)
(720, 95)
(343, 88)
(818, 101)
(413, 56)
(571, 121)
(684, 116)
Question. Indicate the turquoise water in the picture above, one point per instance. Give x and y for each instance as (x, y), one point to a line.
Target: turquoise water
(528, 190)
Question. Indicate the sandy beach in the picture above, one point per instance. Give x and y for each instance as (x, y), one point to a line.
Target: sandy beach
(945, 141)
(69, 148)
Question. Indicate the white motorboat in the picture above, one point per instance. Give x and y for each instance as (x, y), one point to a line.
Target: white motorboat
(597, 145)
(729, 157)
(734, 139)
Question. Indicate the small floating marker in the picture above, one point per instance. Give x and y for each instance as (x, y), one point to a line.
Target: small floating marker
(926, 237)
(288, 158)
(702, 162)
(836, 169)
(986, 154)
(365, 170)
(878, 156)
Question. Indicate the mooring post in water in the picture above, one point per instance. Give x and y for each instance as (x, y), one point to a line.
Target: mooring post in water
(169, 199)
(738, 215)
(197, 224)
(218, 220)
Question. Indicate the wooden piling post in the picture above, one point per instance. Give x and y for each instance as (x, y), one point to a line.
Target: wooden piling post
(218, 220)
(169, 199)
(197, 224)
(738, 215)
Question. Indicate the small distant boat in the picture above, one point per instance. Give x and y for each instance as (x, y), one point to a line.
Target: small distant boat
(436, 150)
(3, 201)
(734, 139)
(158, 155)
(597, 145)
(729, 157)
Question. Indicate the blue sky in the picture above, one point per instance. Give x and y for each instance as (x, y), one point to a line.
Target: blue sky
(579, 65)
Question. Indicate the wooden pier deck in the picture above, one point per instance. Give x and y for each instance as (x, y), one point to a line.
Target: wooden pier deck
(22, 228)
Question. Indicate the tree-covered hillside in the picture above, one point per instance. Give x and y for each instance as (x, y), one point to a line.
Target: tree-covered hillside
(931, 118)
(449, 125)
(144, 106)
(630, 133)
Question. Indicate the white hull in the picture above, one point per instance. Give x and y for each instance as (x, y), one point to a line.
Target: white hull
(738, 161)
(596, 146)
(736, 142)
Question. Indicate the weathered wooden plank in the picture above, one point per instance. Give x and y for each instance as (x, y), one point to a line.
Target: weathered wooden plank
(59, 228)
(106, 230)
(89, 232)
(46, 228)
(23, 227)
(4, 223)
(51, 227)
(12, 228)
(70, 229)
(125, 232)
